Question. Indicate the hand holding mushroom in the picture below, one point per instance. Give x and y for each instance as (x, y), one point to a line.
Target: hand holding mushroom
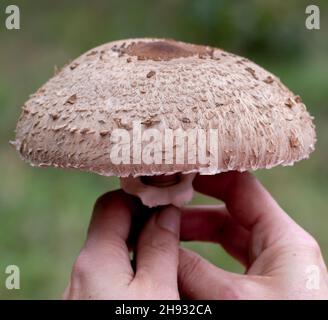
(281, 259)
(157, 113)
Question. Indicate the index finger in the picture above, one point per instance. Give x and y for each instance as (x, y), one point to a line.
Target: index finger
(108, 232)
(248, 202)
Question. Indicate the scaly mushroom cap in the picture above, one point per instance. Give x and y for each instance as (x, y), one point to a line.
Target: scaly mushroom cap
(163, 84)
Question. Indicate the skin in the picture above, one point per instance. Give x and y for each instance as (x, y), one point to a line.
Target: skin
(279, 256)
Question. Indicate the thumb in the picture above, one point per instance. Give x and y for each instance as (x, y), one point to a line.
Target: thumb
(158, 248)
(200, 280)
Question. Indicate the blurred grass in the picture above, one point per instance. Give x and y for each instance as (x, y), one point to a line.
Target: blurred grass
(44, 213)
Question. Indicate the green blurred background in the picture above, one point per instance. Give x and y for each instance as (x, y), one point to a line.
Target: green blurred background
(44, 213)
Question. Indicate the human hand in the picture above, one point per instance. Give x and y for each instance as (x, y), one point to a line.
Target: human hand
(279, 256)
(103, 269)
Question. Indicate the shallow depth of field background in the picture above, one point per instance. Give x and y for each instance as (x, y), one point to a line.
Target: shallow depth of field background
(44, 213)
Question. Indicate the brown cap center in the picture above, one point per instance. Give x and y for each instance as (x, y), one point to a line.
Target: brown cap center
(164, 50)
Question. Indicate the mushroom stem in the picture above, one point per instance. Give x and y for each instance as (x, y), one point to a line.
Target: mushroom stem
(161, 181)
(161, 190)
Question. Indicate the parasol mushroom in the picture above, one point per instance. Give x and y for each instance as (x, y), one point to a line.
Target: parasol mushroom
(78, 119)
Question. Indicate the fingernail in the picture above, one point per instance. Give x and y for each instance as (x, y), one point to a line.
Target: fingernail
(169, 219)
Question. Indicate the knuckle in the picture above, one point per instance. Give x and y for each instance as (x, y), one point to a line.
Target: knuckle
(80, 272)
(117, 249)
(82, 265)
(314, 246)
(190, 267)
(305, 245)
(159, 247)
(307, 241)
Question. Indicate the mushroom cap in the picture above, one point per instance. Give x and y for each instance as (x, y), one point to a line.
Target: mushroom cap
(163, 84)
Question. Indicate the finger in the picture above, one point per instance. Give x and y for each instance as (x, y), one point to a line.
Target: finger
(246, 199)
(251, 205)
(108, 232)
(214, 224)
(198, 279)
(158, 249)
